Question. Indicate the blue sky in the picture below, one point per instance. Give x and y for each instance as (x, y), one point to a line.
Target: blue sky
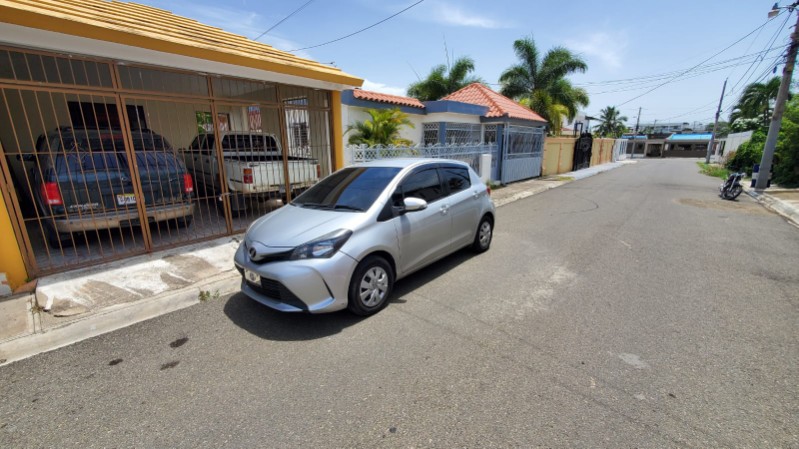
(618, 39)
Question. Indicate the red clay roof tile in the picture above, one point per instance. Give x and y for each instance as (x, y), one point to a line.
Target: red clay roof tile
(498, 105)
(386, 98)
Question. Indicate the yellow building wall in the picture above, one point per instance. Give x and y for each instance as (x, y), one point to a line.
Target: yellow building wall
(10, 256)
(558, 155)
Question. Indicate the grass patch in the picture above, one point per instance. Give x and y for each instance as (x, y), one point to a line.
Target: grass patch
(714, 170)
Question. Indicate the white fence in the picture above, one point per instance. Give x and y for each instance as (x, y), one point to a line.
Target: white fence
(469, 153)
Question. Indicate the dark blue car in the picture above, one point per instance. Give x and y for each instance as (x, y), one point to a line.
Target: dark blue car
(83, 182)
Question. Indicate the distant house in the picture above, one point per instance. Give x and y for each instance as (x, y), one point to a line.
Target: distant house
(469, 115)
(472, 115)
(687, 145)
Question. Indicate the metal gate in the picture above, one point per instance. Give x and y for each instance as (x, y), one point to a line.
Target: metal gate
(582, 151)
(522, 154)
(101, 161)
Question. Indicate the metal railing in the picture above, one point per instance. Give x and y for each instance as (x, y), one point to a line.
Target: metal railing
(469, 153)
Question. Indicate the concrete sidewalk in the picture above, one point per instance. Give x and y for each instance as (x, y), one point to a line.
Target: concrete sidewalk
(784, 202)
(73, 306)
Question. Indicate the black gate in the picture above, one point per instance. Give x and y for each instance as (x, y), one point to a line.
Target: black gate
(582, 151)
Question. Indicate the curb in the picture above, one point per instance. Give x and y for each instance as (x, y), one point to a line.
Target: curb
(789, 213)
(114, 318)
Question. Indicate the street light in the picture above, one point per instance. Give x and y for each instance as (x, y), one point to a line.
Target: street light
(775, 11)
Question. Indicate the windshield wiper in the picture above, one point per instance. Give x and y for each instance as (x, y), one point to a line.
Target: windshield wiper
(348, 207)
(314, 205)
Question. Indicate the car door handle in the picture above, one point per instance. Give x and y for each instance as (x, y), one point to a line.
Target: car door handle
(445, 209)
(476, 194)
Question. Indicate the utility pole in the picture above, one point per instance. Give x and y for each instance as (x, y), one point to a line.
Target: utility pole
(635, 134)
(779, 108)
(715, 124)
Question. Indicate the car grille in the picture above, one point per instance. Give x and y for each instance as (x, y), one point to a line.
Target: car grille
(276, 290)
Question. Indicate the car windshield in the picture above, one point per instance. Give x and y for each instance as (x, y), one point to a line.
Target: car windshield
(352, 189)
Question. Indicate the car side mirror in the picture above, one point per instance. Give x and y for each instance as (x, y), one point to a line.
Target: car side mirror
(412, 204)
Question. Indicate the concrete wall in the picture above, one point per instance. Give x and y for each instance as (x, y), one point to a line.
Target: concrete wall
(352, 114)
(558, 155)
(602, 151)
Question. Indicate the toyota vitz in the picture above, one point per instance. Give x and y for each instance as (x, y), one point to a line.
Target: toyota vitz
(346, 240)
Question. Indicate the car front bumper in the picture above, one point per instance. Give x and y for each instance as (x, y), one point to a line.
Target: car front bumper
(310, 285)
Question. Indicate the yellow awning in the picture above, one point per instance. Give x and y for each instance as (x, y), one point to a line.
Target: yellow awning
(159, 30)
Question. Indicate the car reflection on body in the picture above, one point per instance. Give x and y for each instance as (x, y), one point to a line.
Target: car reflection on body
(345, 241)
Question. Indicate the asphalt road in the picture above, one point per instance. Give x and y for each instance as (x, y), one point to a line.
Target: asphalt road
(631, 309)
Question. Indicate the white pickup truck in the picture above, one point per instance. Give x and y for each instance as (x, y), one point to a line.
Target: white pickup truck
(253, 164)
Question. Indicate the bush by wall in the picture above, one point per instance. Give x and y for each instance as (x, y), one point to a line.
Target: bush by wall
(748, 154)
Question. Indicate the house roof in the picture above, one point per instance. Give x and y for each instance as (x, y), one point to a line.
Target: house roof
(690, 137)
(386, 98)
(156, 29)
(498, 105)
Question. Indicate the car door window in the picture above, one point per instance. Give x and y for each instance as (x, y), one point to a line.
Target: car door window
(456, 179)
(424, 184)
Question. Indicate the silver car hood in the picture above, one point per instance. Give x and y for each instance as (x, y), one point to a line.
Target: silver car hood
(291, 226)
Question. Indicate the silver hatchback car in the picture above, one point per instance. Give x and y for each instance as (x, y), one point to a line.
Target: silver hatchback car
(346, 240)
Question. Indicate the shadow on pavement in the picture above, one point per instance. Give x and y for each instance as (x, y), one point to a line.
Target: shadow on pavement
(266, 323)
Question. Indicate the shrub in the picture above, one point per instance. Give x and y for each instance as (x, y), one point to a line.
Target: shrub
(786, 157)
(748, 154)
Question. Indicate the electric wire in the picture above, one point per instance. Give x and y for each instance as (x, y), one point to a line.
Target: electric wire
(359, 31)
(696, 66)
(284, 19)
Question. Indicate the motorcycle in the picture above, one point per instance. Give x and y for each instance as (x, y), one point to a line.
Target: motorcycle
(731, 188)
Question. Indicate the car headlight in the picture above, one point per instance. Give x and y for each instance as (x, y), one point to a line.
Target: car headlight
(322, 248)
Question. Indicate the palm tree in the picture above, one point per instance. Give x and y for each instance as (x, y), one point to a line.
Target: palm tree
(444, 80)
(382, 128)
(757, 101)
(543, 80)
(612, 122)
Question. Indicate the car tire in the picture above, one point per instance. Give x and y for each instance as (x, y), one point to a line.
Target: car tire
(485, 232)
(186, 221)
(58, 240)
(370, 286)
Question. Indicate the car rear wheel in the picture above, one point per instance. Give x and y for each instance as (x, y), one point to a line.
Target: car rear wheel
(485, 232)
(370, 286)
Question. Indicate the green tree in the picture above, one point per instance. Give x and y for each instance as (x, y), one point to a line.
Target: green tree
(786, 158)
(444, 80)
(757, 102)
(543, 80)
(748, 154)
(382, 128)
(611, 122)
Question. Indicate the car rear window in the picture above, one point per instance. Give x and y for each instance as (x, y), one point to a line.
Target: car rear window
(353, 188)
(86, 162)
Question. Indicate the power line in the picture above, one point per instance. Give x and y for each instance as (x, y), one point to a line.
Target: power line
(284, 19)
(769, 45)
(704, 71)
(692, 68)
(361, 30)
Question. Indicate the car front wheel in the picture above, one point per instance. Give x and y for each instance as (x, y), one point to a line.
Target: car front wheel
(370, 286)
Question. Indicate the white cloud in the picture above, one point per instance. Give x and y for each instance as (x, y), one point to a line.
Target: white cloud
(609, 49)
(449, 14)
(379, 87)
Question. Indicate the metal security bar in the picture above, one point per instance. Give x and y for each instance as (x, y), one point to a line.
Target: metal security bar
(100, 161)
(463, 133)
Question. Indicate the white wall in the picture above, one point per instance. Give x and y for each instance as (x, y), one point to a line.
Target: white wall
(352, 114)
